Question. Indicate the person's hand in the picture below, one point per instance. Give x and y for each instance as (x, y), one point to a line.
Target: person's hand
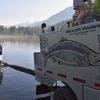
(75, 22)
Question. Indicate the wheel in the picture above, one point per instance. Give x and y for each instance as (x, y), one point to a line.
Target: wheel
(63, 93)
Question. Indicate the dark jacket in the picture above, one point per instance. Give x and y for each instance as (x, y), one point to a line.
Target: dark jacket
(84, 0)
(0, 50)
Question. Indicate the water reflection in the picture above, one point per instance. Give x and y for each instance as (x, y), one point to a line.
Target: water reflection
(17, 85)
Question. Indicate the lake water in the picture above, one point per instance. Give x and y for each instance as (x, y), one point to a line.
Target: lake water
(17, 85)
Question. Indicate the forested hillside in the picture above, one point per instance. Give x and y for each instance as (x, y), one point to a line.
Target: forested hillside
(19, 30)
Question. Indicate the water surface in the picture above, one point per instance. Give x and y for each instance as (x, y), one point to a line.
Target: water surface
(17, 85)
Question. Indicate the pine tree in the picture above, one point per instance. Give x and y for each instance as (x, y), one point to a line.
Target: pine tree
(97, 6)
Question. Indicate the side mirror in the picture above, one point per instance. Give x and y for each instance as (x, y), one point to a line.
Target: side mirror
(52, 28)
(43, 25)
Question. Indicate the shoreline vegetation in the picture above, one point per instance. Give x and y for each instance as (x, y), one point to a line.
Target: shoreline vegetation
(19, 34)
(20, 31)
(19, 38)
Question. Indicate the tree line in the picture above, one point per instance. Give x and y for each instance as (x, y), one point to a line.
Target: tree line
(97, 6)
(12, 30)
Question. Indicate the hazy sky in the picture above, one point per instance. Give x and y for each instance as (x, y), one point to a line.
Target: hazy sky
(19, 11)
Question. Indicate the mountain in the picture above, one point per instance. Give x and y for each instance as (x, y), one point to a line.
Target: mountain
(25, 24)
(59, 17)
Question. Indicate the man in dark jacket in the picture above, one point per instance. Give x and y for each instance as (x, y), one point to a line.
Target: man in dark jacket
(0, 50)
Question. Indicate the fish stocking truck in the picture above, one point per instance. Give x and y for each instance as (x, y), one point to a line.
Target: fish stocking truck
(68, 64)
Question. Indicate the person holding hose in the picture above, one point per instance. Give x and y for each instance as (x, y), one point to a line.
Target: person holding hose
(79, 7)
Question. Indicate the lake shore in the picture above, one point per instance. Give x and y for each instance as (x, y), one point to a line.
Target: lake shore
(19, 38)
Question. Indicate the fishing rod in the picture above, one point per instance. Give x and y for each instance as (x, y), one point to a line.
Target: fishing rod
(19, 68)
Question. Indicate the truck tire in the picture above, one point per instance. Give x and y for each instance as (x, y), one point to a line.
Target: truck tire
(64, 93)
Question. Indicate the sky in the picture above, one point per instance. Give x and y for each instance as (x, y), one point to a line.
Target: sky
(19, 11)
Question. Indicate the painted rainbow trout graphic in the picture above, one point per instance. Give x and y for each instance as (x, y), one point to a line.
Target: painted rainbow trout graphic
(72, 53)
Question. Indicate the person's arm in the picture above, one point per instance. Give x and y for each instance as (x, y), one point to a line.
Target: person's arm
(90, 5)
(80, 16)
